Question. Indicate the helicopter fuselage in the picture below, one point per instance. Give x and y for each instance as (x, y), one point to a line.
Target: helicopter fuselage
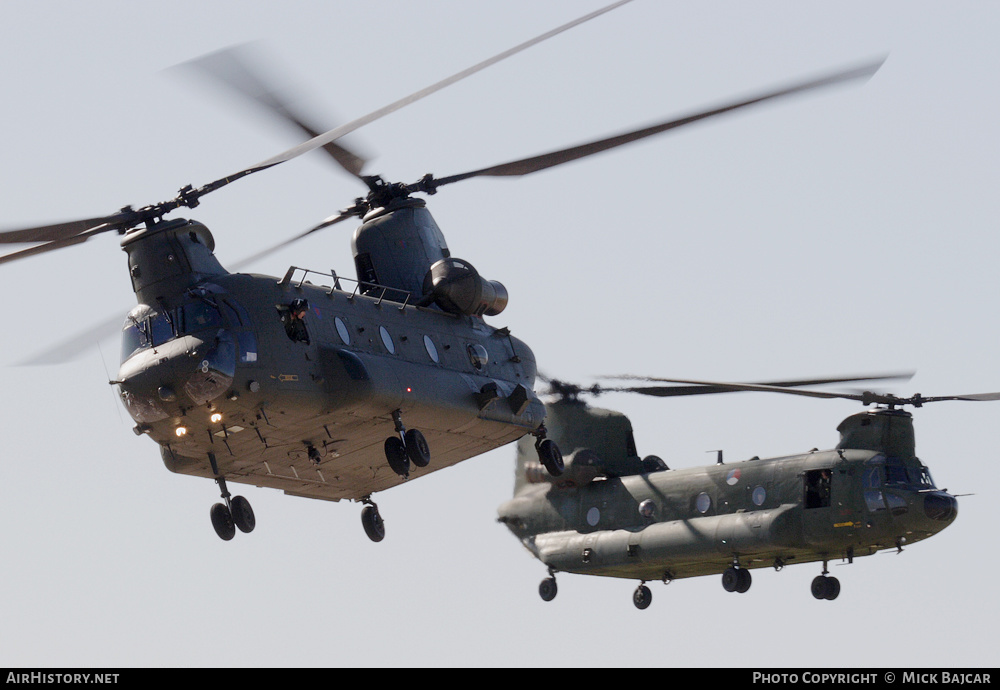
(699, 521)
(868, 494)
(293, 385)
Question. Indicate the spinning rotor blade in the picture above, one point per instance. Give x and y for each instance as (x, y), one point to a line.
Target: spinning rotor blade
(73, 232)
(332, 220)
(866, 398)
(232, 68)
(527, 166)
(704, 388)
(338, 132)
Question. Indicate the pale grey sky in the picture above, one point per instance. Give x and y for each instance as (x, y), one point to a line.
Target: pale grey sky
(844, 232)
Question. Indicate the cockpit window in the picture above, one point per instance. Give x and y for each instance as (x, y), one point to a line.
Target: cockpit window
(199, 316)
(160, 329)
(133, 339)
(144, 328)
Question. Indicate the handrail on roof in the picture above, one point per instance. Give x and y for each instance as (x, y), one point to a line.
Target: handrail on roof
(383, 292)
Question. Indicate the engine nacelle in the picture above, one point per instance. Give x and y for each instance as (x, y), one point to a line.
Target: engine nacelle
(456, 287)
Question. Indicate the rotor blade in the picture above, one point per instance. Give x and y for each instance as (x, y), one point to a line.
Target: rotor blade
(62, 231)
(866, 397)
(527, 166)
(68, 349)
(231, 67)
(239, 265)
(49, 246)
(709, 388)
(337, 132)
(976, 397)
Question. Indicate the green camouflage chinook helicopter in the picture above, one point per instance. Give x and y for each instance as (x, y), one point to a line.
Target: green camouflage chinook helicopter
(312, 383)
(615, 514)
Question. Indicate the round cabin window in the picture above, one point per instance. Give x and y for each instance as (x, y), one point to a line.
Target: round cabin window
(345, 335)
(759, 495)
(478, 356)
(387, 340)
(432, 350)
(703, 502)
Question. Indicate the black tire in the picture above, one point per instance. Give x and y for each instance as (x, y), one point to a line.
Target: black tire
(745, 580)
(730, 579)
(820, 586)
(416, 448)
(642, 597)
(242, 514)
(222, 521)
(551, 457)
(547, 589)
(395, 453)
(372, 521)
(832, 588)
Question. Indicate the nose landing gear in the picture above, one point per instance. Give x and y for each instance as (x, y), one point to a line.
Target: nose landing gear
(372, 521)
(234, 513)
(548, 453)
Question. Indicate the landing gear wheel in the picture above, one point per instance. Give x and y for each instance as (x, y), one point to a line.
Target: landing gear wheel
(547, 589)
(416, 448)
(551, 457)
(642, 597)
(395, 453)
(373, 523)
(744, 580)
(825, 587)
(730, 579)
(222, 521)
(242, 513)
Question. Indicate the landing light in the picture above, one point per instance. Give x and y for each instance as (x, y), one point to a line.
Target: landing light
(181, 431)
(216, 418)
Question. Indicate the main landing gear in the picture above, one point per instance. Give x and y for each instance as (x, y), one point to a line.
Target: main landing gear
(825, 586)
(736, 579)
(234, 513)
(406, 447)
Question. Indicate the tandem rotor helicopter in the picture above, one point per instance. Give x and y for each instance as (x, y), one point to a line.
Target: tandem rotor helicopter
(614, 514)
(313, 383)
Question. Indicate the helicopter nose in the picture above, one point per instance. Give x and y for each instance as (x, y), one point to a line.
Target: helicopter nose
(940, 506)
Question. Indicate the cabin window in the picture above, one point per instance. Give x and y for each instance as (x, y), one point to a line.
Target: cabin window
(759, 495)
(478, 356)
(345, 335)
(817, 489)
(431, 348)
(703, 502)
(387, 340)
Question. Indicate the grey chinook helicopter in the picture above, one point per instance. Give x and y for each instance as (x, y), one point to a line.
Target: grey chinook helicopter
(614, 514)
(319, 385)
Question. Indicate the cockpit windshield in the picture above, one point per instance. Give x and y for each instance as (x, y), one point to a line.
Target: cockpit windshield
(890, 472)
(145, 327)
